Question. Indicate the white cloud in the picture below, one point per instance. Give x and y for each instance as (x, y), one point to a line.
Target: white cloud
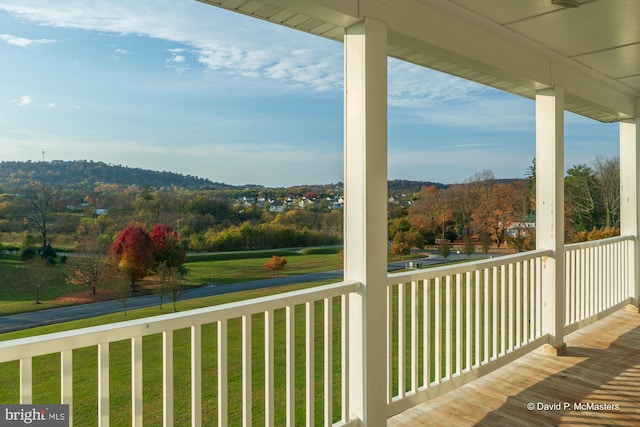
(23, 101)
(413, 86)
(24, 42)
(51, 105)
(178, 60)
(220, 39)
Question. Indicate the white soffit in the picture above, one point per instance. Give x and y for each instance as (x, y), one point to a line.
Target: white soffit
(514, 45)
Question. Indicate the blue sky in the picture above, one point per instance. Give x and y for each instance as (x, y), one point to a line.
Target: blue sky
(181, 86)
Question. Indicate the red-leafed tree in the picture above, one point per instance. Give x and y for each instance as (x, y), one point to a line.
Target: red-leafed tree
(133, 251)
(167, 248)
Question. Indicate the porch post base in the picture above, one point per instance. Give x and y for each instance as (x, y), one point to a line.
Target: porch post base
(558, 350)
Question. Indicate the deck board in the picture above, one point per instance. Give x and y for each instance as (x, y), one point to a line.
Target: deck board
(601, 366)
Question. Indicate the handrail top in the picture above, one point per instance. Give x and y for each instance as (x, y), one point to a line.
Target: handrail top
(596, 243)
(407, 276)
(66, 340)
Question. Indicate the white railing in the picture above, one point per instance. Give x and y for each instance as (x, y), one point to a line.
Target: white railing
(259, 361)
(301, 319)
(596, 279)
(452, 324)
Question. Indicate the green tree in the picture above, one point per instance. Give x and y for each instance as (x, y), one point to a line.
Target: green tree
(396, 225)
(581, 198)
(444, 249)
(468, 248)
(485, 241)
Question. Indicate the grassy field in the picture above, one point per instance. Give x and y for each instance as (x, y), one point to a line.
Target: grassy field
(225, 268)
(219, 268)
(47, 380)
(202, 269)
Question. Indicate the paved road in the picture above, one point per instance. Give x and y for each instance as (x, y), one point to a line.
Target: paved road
(32, 319)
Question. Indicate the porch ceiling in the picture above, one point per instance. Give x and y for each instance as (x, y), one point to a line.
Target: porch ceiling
(592, 51)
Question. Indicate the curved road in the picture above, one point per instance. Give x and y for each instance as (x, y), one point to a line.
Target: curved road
(32, 319)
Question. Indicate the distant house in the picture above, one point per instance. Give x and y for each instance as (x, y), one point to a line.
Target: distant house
(338, 202)
(276, 206)
(99, 212)
(522, 227)
(305, 203)
(248, 201)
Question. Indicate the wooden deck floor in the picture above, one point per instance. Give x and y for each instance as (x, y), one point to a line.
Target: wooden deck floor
(601, 366)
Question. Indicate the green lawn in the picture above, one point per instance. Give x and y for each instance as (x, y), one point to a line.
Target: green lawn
(47, 382)
(230, 268)
(18, 297)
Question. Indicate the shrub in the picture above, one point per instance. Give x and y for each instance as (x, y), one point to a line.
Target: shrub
(275, 263)
(48, 252)
(28, 254)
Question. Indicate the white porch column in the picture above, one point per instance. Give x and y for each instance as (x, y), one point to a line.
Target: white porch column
(550, 210)
(629, 198)
(365, 215)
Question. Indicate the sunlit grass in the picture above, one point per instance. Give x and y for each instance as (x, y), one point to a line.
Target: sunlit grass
(220, 269)
(47, 378)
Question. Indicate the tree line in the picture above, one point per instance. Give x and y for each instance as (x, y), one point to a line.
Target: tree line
(482, 208)
(496, 213)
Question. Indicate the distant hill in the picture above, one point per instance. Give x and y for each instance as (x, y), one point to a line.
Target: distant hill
(406, 186)
(85, 174)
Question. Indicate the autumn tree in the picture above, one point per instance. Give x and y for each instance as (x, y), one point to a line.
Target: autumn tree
(400, 246)
(133, 252)
(275, 263)
(167, 248)
(422, 213)
(498, 206)
(91, 266)
(461, 200)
